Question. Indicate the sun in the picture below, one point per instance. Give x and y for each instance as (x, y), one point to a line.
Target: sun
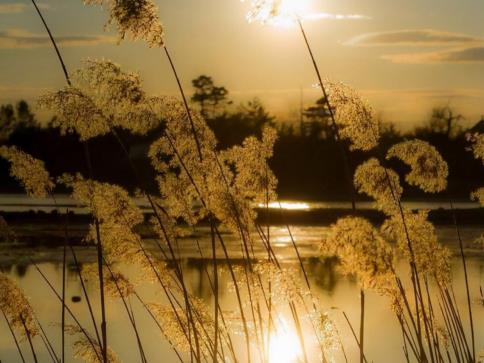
(279, 13)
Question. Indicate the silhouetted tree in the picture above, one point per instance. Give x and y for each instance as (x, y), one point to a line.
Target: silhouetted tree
(12, 118)
(443, 121)
(316, 121)
(389, 135)
(249, 119)
(209, 96)
(307, 167)
(7, 121)
(25, 118)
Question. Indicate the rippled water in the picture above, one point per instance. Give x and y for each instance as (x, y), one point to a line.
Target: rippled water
(22, 203)
(383, 335)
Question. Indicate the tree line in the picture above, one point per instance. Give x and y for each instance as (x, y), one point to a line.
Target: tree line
(306, 159)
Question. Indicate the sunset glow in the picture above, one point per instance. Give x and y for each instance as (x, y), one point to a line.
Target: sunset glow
(279, 13)
(247, 181)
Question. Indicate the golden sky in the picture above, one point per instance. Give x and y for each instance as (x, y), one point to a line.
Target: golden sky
(404, 56)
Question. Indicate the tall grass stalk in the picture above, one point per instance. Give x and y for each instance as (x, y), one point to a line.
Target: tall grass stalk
(346, 163)
(84, 291)
(155, 320)
(422, 323)
(45, 339)
(68, 310)
(129, 312)
(88, 161)
(17, 345)
(63, 314)
(448, 307)
(29, 338)
(466, 278)
(216, 289)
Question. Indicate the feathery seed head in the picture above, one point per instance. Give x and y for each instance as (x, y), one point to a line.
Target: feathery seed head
(429, 171)
(29, 171)
(102, 97)
(380, 183)
(137, 19)
(87, 348)
(430, 257)
(353, 116)
(362, 250)
(16, 307)
(478, 195)
(477, 145)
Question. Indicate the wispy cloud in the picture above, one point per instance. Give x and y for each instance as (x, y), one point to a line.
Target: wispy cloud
(452, 47)
(22, 39)
(417, 37)
(463, 55)
(17, 8)
(12, 8)
(327, 16)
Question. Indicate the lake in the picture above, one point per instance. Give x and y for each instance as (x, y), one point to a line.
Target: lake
(336, 293)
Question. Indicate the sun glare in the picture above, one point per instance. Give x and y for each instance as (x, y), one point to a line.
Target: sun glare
(279, 13)
(284, 346)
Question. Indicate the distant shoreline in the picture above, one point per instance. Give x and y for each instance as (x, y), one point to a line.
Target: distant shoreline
(48, 228)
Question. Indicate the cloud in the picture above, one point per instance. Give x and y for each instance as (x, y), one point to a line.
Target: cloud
(22, 39)
(418, 37)
(17, 8)
(327, 16)
(12, 8)
(463, 55)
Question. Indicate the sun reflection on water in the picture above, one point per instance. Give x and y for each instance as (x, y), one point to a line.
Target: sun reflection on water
(286, 205)
(284, 345)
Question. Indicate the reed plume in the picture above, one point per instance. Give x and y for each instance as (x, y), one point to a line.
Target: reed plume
(30, 172)
(101, 97)
(429, 171)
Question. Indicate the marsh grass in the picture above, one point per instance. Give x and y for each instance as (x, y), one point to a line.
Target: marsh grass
(198, 182)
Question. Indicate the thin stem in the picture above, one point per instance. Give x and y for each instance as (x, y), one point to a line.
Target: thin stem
(129, 312)
(185, 101)
(29, 338)
(66, 75)
(104, 345)
(344, 154)
(337, 136)
(101, 291)
(216, 292)
(466, 278)
(84, 332)
(354, 334)
(86, 296)
(46, 340)
(63, 313)
(13, 336)
(362, 324)
(54, 44)
(153, 317)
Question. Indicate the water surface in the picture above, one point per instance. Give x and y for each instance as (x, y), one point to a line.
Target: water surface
(333, 290)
